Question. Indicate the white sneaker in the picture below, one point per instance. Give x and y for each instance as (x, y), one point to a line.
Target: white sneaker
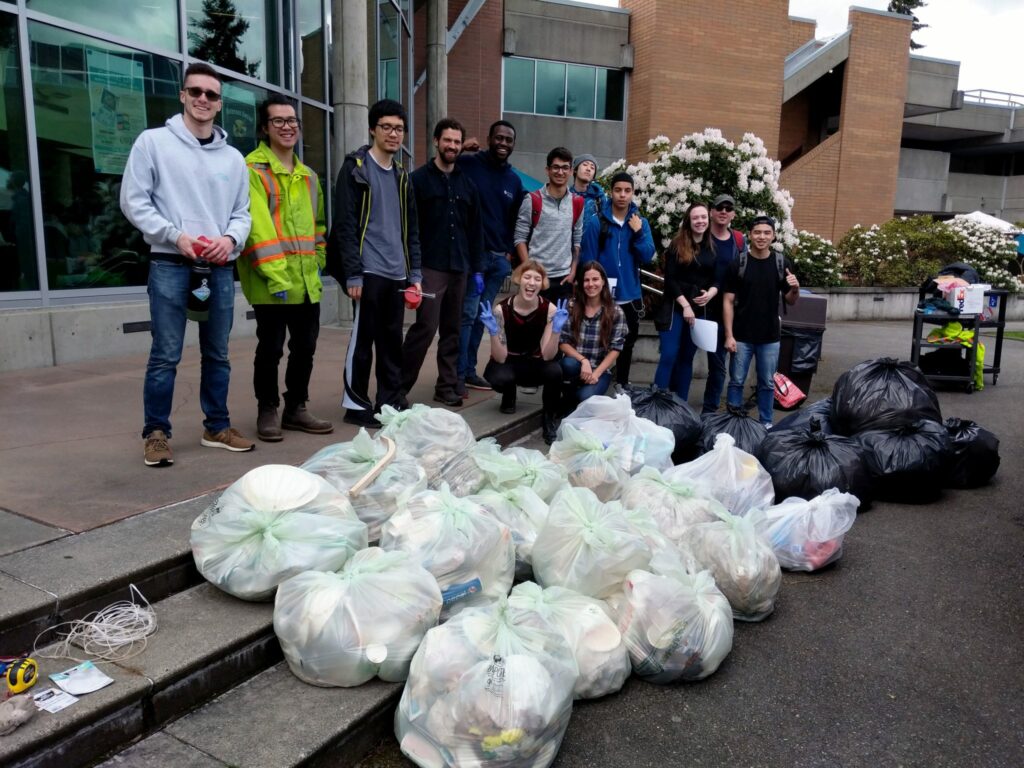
(528, 390)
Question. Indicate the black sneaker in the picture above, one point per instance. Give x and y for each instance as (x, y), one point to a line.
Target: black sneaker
(361, 419)
(478, 382)
(508, 401)
(448, 398)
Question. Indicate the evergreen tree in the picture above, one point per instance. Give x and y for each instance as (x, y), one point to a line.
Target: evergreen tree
(907, 7)
(215, 37)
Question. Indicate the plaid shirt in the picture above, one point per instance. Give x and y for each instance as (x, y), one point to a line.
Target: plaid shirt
(589, 342)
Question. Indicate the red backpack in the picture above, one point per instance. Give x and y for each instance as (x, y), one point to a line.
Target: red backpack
(537, 204)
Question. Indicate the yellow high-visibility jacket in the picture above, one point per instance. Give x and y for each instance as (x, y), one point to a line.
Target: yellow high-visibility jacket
(285, 250)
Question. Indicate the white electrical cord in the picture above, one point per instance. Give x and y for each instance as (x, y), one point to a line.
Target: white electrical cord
(116, 633)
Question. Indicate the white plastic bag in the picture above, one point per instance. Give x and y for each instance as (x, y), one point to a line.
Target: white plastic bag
(587, 546)
(733, 477)
(344, 464)
(676, 625)
(272, 523)
(343, 629)
(595, 641)
(470, 553)
(643, 523)
(432, 436)
(674, 505)
(808, 535)
(637, 442)
(742, 562)
(589, 463)
(491, 687)
(517, 467)
(524, 512)
(462, 471)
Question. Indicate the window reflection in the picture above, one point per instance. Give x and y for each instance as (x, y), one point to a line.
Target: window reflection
(92, 99)
(238, 117)
(388, 57)
(149, 22)
(314, 147)
(239, 35)
(18, 270)
(550, 88)
(311, 37)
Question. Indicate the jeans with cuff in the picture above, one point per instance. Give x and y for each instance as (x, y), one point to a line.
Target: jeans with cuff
(496, 269)
(767, 361)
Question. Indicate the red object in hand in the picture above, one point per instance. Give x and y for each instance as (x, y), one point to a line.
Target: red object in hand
(198, 249)
(412, 298)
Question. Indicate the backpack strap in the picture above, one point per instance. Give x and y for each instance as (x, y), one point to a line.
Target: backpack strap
(578, 203)
(536, 203)
(605, 232)
(741, 259)
(737, 238)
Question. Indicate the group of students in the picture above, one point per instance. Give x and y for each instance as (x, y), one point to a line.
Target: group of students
(442, 239)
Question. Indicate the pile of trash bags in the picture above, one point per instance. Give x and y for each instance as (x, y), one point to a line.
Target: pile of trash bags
(746, 431)
(667, 409)
(635, 442)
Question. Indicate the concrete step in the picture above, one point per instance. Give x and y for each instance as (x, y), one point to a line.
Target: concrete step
(206, 642)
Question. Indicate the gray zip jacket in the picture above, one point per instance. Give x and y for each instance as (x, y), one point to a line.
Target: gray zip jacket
(554, 237)
(174, 184)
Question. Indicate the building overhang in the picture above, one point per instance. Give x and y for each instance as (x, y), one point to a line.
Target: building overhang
(812, 61)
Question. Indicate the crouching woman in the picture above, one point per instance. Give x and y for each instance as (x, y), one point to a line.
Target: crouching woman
(594, 336)
(524, 330)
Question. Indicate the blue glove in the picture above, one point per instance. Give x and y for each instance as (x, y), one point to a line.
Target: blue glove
(282, 295)
(478, 281)
(488, 319)
(561, 316)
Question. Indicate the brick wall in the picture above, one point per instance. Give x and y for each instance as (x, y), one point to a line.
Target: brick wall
(799, 32)
(812, 182)
(793, 125)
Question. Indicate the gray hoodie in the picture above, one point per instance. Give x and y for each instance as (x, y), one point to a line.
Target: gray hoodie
(174, 184)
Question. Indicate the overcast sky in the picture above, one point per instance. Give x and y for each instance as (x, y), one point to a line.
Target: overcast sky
(985, 36)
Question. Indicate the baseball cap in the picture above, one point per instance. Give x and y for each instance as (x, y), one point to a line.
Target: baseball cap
(723, 198)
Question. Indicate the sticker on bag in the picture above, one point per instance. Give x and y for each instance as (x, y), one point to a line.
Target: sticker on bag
(457, 592)
(787, 394)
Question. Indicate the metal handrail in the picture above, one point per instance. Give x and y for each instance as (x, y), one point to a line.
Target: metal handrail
(985, 96)
(645, 273)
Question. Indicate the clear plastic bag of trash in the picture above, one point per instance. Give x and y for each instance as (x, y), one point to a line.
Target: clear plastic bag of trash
(365, 621)
(677, 625)
(470, 553)
(433, 436)
(462, 471)
(271, 524)
(732, 476)
(643, 523)
(595, 641)
(674, 505)
(491, 687)
(587, 546)
(637, 442)
(741, 561)
(808, 535)
(518, 467)
(344, 464)
(524, 512)
(589, 463)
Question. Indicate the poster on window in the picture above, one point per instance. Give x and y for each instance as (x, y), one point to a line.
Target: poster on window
(117, 105)
(239, 118)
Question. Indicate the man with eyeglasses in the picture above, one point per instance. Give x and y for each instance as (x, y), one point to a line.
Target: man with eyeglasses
(728, 243)
(549, 227)
(186, 189)
(374, 251)
(280, 270)
(500, 190)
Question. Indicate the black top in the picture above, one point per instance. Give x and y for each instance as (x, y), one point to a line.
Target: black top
(448, 206)
(688, 280)
(524, 332)
(756, 314)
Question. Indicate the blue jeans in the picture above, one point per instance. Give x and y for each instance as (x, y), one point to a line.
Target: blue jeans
(675, 364)
(168, 300)
(571, 369)
(496, 269)
(767, 361)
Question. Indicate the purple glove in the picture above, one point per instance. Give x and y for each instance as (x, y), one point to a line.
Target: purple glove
(561, 316)
(488, 319)
(478, 281)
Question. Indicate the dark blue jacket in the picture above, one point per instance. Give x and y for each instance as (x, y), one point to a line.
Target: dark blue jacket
(501, 191)
(623, 252)
(448, 207)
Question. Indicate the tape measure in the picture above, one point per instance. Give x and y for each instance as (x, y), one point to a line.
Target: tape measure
(20, 674)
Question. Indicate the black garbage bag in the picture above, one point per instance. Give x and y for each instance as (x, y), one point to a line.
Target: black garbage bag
(746, 431)
(806, 462)
(882, 394)
(802, 419)
(667, 409)
(975, 456)
(908, 463)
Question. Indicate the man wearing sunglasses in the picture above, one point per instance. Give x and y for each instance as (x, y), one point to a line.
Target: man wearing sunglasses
(187, 191)
(280, 270)
(374, 251)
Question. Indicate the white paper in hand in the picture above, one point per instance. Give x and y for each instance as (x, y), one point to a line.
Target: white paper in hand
(705, 334)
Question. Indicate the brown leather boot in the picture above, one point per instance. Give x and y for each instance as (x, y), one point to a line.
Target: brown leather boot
(268, 425)
(301, 420)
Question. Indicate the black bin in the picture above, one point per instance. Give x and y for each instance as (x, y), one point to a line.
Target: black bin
(803, 326)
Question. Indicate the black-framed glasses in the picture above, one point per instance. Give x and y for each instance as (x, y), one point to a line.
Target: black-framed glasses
(560, 168)
(281, 122)
(395, 130)
(727, 207)
(195, 93)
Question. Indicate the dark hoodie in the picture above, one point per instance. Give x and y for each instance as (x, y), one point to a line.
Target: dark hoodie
(501, 191)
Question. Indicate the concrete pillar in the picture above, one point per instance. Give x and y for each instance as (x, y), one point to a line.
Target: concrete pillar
(349, 61)
(437, 66)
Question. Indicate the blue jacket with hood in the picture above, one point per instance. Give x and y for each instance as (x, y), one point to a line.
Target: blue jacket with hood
(624, 250)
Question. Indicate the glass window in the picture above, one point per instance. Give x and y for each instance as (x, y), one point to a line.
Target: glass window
(92, 99)
(389, 75)
(240, 35)
(550, 88)
(18, 266)
(149, 22)
(519, 85)
(314, 146)
(579, 101)
(238, 115)
(311, 38)
(611, 94)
